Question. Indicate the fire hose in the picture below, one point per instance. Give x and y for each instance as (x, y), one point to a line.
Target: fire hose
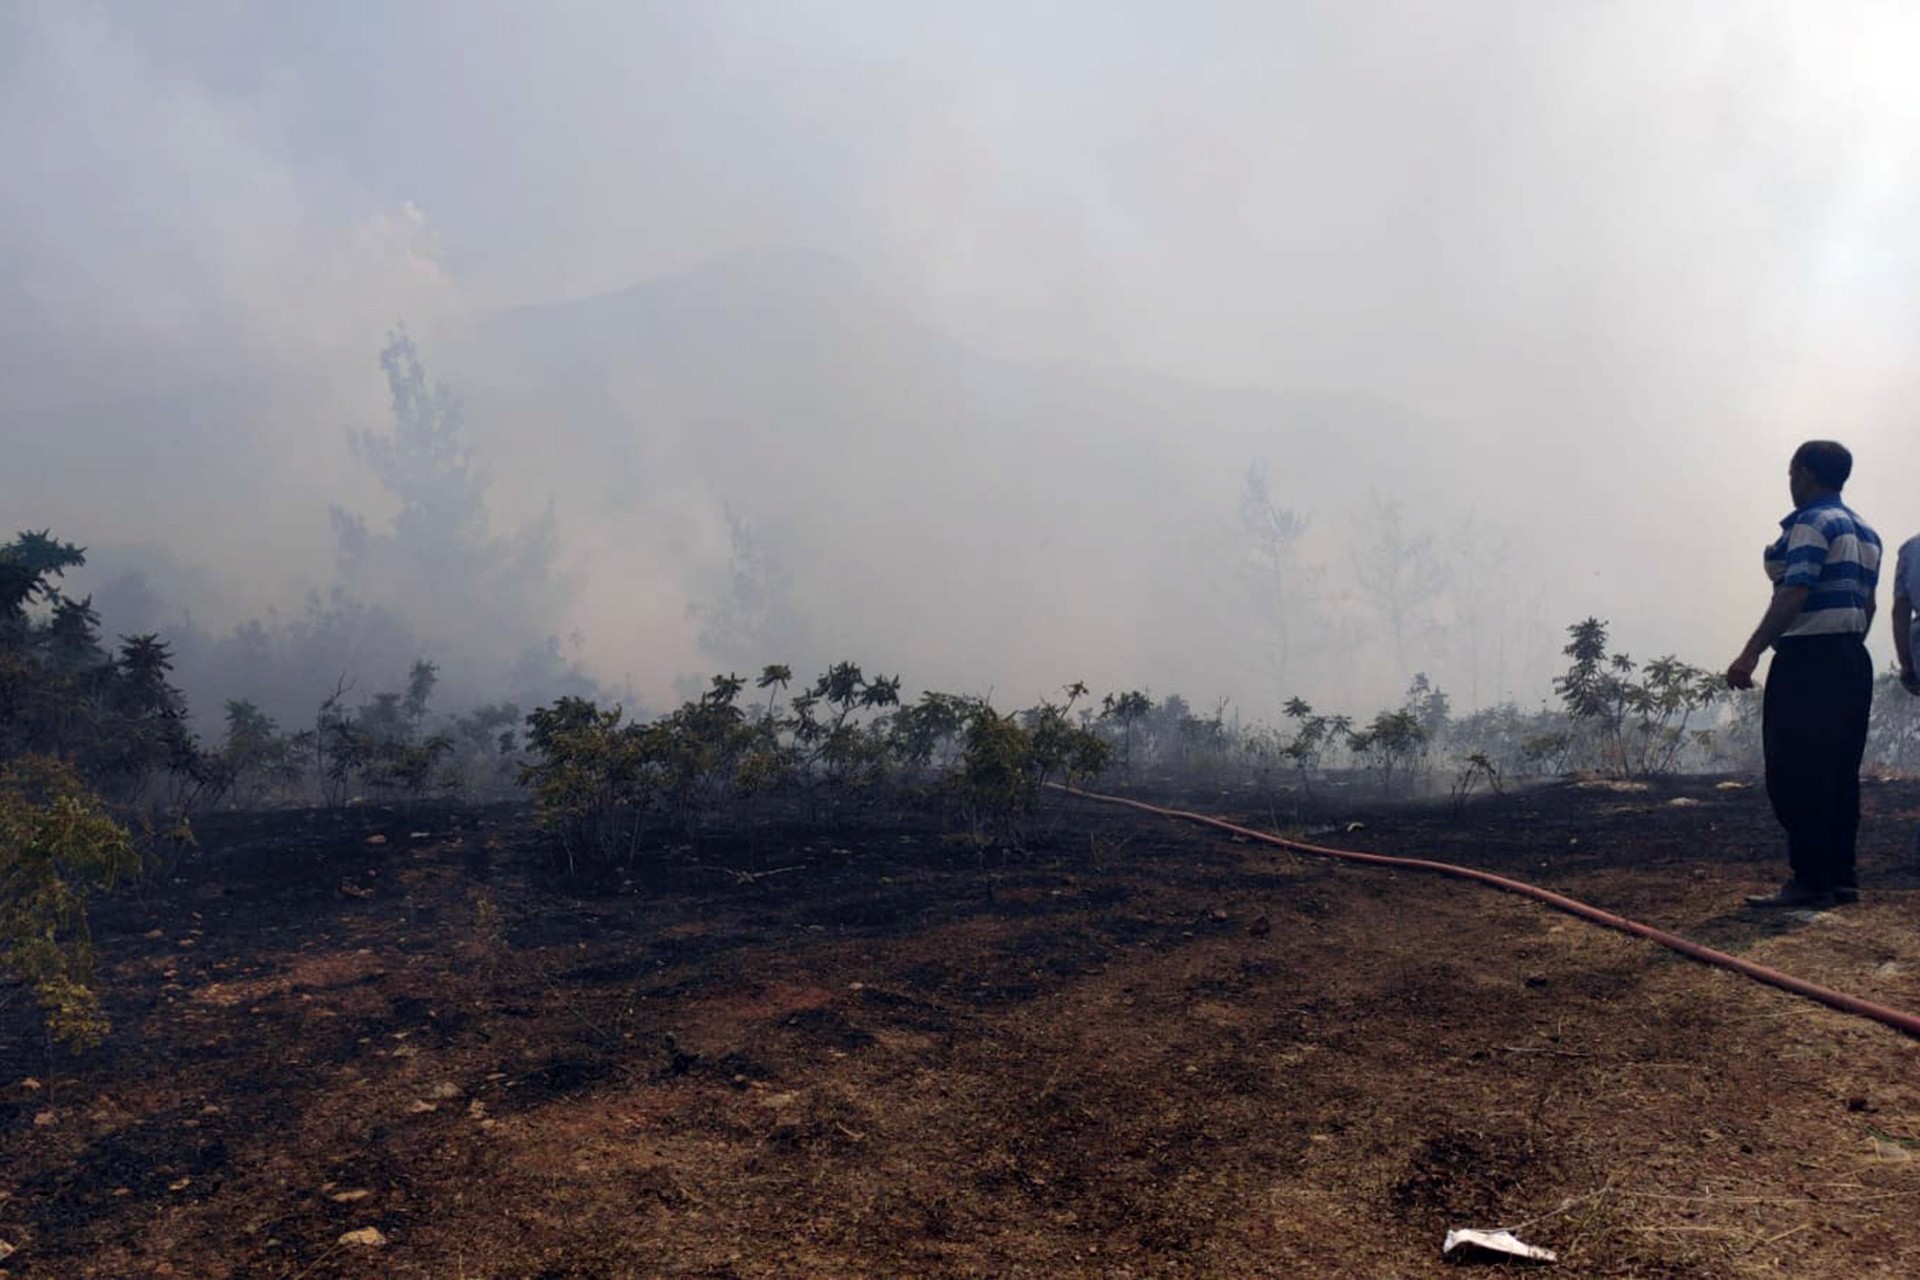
(1906, 1023)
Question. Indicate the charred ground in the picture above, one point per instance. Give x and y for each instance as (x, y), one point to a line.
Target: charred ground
(1135, 1048)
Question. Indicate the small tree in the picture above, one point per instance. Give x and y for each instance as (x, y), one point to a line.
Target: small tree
(996, 778)
(115, 716)
(1060, 749)
(57, 846)
(486, 742)
(1635, 721)
(1395, 741)
(704, 742)
(1476, 767)
(1670, 693)
(340, 751)
(926, 735)
(1312, 737)
(593, 779)
(835, 747)
(1401, 575)
(257, 758)
(1273, 537)
(1126, 710)
(1427, 704)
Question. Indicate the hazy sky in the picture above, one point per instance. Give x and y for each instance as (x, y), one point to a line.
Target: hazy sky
(1625, 254)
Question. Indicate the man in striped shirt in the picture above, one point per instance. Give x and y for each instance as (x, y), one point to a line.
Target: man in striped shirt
(1825, 567)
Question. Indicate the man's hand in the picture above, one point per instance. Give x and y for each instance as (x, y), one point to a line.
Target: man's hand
(1782, 612)
(1910, 681)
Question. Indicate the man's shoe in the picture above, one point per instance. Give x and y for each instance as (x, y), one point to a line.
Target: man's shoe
(1792, 894)
(1845, 895)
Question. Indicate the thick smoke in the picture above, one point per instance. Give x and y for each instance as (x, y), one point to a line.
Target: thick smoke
(967, 345)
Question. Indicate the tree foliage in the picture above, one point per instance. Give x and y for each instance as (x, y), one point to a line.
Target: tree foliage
(1632, 721)
(441, 545)
(58, 845)
(1273, 534)
(605, 786)
(114, 714)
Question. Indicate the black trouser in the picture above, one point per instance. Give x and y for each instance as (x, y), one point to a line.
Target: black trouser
(1814, 724)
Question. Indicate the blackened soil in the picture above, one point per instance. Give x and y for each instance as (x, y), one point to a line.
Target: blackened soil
(1131, 1047)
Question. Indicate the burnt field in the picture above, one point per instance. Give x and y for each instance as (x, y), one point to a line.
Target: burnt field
(1136, 1048)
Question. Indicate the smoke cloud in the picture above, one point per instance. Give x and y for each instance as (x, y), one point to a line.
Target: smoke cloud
(967, 343)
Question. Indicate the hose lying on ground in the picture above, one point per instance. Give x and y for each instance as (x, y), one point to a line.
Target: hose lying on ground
(1906, 1023)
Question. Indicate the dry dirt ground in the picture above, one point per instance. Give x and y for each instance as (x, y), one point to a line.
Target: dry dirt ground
(1136, 1049)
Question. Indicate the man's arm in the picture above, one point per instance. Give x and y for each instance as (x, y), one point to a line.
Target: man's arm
(1782, 612)
(1903, 577)
(1903, 640)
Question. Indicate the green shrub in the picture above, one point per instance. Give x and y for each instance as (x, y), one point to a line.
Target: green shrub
(1007, 759)
(593, 780)
(1393, 740)
(1633, 719)
(57, 846)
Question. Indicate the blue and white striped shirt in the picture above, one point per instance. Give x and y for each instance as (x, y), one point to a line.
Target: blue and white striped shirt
(1826, 548)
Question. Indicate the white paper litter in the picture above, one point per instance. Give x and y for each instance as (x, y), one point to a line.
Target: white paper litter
(1502, 1242)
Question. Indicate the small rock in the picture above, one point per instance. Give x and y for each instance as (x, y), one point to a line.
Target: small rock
(376, 840)
(180, 1184)
(446, 1089)
(6, 1250)
(369, 1236)
(349, 1197)
(30, 1083)
(419, 835)
(46, 1119)
(1682, 802)
(420, 1107)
